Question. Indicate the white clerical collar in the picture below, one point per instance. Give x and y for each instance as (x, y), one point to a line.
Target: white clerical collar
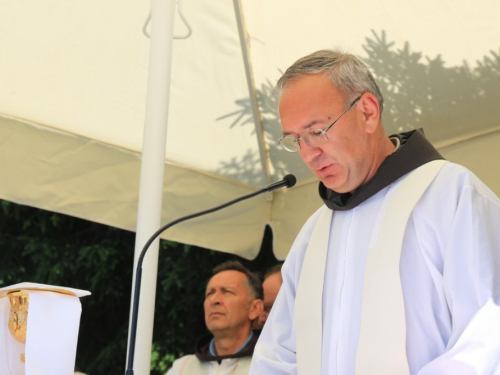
(396, 142)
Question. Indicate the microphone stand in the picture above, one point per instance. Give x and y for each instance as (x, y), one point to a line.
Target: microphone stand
(288, 181)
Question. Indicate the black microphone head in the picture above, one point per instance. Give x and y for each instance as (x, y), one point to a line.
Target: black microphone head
(290, 179)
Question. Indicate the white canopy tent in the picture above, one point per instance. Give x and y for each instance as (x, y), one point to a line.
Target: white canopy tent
(74, 101)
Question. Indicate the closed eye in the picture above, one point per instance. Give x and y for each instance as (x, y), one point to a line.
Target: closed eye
(315, 133)
(209, 293)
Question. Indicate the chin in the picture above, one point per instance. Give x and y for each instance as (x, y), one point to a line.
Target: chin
(339, 183)
(331, 184)
(215, 328)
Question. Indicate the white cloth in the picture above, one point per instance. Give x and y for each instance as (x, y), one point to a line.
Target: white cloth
(190, 365)
(450, 276)
(51, 335)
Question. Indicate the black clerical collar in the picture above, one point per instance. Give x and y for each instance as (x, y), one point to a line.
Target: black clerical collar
(414, 151)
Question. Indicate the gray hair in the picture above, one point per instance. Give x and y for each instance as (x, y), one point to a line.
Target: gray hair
(347, 73)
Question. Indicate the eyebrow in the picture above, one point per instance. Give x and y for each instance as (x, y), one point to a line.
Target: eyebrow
(223, 287)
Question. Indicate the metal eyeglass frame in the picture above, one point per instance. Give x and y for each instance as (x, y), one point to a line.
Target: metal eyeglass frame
(322, 133)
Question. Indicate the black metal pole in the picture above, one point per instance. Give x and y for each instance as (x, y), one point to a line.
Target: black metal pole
(288, 181)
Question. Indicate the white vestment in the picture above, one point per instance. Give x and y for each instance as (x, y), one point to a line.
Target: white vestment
(450, 277)
(190, 365)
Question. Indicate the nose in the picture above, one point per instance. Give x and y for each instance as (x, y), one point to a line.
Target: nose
(309, 153)
(214, 299)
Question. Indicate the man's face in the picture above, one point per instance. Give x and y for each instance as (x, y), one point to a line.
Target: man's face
(312, 102)
(271, 286)
(227, 304)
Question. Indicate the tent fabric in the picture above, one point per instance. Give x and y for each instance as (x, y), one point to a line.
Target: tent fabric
(52, 169)
(72, 104)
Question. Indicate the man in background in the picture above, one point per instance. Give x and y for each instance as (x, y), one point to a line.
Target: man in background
(233, 300)
(272, 283)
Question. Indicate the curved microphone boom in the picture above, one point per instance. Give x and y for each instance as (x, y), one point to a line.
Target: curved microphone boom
(288, 181)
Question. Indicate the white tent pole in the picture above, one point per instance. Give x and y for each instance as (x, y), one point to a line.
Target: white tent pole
(152, 173)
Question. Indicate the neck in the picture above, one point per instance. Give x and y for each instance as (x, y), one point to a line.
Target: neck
(229, 344)
(381, 150)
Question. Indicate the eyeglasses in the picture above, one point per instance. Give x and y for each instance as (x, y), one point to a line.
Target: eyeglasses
(313, 137)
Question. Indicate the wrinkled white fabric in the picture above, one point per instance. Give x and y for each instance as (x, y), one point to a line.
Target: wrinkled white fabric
(450, 277)
(190, 365)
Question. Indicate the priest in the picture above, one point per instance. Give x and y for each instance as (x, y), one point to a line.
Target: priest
(399, 271)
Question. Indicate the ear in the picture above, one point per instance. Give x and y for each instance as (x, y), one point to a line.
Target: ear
(256, 308)
(371, 112)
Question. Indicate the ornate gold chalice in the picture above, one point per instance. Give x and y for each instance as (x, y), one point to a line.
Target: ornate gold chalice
(18, 318)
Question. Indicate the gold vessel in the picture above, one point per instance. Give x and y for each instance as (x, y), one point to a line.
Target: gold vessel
(18, 318)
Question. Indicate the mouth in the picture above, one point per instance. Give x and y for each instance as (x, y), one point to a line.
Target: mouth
(328, 172)
(323, 169)
(215, 314)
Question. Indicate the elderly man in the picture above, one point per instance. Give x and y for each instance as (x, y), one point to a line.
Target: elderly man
(271, 284)
(233, 299)
(399, 272)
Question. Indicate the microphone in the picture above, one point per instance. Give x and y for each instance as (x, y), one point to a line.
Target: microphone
(288, 181)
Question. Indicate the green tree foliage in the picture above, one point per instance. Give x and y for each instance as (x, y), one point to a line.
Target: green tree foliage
(50, 248)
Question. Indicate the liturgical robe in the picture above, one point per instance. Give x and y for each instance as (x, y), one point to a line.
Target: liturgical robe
(450, 277)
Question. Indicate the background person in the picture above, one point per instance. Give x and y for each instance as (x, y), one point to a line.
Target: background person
(271, 285)
(233, 299)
